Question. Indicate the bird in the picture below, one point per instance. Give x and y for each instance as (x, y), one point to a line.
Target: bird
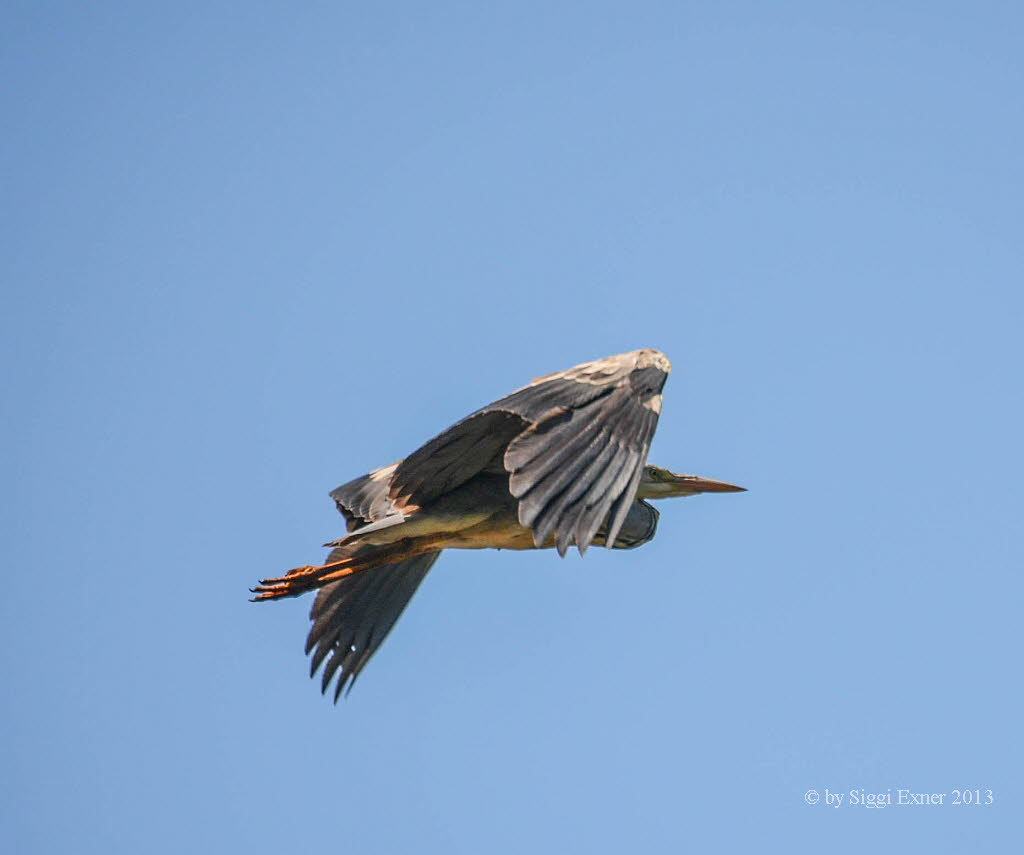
(560, 462)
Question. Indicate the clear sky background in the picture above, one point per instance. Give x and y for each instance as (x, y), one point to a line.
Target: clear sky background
(252, 250)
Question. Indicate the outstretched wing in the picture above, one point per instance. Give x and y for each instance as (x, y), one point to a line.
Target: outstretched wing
(352, 617)
(574, 444)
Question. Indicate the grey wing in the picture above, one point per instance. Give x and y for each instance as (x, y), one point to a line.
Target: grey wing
(365, 499)
(574, 470)
(353, 616)
(574, 444)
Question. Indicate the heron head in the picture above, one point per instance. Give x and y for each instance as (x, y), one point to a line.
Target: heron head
(658, 483)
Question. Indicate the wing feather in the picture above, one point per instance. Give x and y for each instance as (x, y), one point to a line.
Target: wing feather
(589, 510)
(352, 617)
(365, 499)
(554, 513)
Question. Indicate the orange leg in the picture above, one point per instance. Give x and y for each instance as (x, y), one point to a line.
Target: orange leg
(299, 580)
(306, 578)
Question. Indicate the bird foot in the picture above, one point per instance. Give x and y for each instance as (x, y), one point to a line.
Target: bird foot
(302, 579)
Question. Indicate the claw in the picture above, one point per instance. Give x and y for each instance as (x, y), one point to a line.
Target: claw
(266, 595)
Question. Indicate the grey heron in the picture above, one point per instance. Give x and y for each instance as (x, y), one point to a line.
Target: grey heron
(559, 462)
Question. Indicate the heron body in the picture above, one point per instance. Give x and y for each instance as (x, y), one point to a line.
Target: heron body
(560, 462)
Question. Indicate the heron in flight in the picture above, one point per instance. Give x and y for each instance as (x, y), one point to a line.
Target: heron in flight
(560, 462)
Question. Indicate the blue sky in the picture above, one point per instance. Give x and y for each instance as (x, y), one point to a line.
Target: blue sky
(251, 251)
